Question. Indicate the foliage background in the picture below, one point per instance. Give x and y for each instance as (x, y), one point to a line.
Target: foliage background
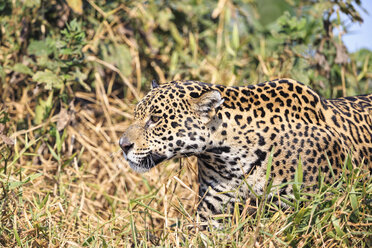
(71, 72)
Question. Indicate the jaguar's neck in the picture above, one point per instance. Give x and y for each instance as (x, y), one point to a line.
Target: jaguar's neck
(237, 146)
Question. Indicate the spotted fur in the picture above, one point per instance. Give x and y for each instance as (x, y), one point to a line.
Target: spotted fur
(231, 130)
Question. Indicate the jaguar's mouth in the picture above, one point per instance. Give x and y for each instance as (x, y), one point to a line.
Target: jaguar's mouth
(146, 163)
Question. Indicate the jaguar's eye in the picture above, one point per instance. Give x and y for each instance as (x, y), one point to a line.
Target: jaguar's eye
(154, 119)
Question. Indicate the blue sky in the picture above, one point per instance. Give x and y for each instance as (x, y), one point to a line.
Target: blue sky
(360, 35)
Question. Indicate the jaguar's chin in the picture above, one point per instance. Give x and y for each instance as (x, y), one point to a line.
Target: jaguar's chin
(147, 162)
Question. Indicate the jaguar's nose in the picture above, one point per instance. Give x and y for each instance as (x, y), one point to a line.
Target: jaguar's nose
(125, 145)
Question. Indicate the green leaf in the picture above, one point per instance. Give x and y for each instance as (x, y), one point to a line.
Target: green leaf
(353, 199)
(176, 35)
(235, 37)
(230, 50)
(40, 47)
(79, 77)
(299, 171)
(173, 62)
(271, 10)
(50, 79)
(16, 235)
(21, 68)
(51, 64)
(299, 216)
(54, 154)
(330, 168)
(34, 176)
(43, 108)
(17, 184)
(2, 74)
(336, 225)
(58, 143)
(119, 56)
(164, 18)
(104, 243)
(32, 3)
(269, 164)
(89, 241)
(14, 185)
(227, 16)
(298, 180)
(44, 201)
(145, 206)
(193, 46)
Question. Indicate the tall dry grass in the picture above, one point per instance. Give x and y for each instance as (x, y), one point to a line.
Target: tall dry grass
(67, 93)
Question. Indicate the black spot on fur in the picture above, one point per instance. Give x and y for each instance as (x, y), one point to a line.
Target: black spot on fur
(219, 150)
(194, 95)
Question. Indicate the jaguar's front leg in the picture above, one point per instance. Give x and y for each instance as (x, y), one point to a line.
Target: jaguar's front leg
(208, 207)
(216, 202)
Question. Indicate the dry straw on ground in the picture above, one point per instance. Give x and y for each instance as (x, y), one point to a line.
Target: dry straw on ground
(63, 180)
(81, 192)
(96, 193)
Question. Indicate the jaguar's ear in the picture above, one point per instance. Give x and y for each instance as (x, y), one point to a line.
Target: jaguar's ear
(154, 84)
(205, 105)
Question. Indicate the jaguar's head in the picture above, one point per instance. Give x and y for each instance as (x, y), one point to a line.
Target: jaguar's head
(172, 120)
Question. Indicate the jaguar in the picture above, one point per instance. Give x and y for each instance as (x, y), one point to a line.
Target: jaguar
(234, 131)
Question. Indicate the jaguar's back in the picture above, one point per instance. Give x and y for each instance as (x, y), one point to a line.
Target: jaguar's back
(351, 118)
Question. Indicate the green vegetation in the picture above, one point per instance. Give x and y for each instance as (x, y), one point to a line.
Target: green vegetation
(71, 72)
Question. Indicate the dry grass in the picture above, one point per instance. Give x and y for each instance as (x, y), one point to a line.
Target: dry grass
(86, 192)
(63, 180)
(80, 192)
